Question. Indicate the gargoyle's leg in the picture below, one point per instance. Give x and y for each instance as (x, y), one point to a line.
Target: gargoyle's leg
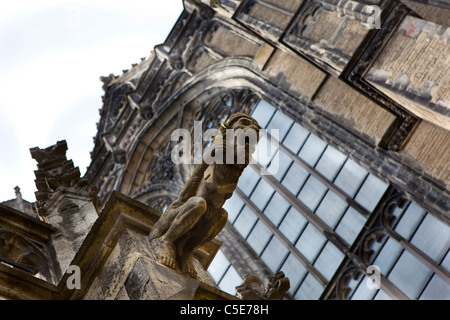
(187, 217)
(204, 232)
(163, 224)
(178, 221)
(216, 227)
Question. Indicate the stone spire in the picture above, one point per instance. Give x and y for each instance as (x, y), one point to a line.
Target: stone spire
(19, 199)
(55, 172)
(64, 200)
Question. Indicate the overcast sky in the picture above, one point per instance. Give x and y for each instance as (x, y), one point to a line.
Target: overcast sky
(52, 54)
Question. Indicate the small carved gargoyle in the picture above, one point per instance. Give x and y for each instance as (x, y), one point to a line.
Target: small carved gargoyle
(252, 289)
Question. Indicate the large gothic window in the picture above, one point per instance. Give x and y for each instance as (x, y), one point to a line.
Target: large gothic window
(312, 212)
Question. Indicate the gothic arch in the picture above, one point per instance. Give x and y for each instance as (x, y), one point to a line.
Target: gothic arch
(24, 253)
(229, 80)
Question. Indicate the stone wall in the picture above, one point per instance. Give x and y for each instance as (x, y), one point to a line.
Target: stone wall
(334, 90)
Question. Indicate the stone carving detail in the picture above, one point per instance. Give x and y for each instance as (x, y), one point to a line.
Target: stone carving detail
(162, 168)
(342, 289)
(307, 19)
(252, 289)
(25, 255)
(224, 105)
(255, 15)
(310, 35)
(55, 171)
(377, 231)
(197, 216)
(359, 66)
(164, 85)
(368, 247)
(67, 207)
(160, 203)
(221, 107)
(173, 69)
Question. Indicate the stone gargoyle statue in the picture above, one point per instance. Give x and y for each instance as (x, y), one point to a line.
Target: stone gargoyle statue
(197, 216)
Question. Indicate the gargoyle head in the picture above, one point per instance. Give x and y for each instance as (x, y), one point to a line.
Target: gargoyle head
(242, 132)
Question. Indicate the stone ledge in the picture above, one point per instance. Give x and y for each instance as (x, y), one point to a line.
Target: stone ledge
(120, 232)
(115, 246)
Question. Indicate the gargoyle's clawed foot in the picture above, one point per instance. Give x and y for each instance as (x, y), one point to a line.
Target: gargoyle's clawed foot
(166, 254)
(188, 266)
(167, 261)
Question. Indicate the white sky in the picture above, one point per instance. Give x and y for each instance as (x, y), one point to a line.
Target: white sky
(52, 54)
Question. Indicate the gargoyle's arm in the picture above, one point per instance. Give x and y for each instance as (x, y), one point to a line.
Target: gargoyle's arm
(191, 186)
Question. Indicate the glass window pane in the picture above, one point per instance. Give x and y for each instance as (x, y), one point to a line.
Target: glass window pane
(259, 237)
(432, 237)
(311, 242)
(245, 221)
(264, 151)
(248, 180)
(312, 149)
(387, 256)
(263, 112)
(294, 178)
(233, 206)
(293, 223)
(309, 290)
(312, 193)
(295, 138)
(274, 254)
(230, 281)
(437, 289)
(350, 225)
(276, 208)
(281, 122)
(330, 162)
(280, 165)
(218, 266)
(409, 220)
(262, 194)
(409, 275)
(293, 270)
(363, 292)
(371, 192)
(381, 295)
(446, 263)
(331, 209)
(350, 177)
(329, 260)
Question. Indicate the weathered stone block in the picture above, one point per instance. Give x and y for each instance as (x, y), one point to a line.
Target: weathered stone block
(429, 149)
(268, 18)
(294, 74)
(354, 110)
(228, 42)
(412, 70)
(148, 280)
(108, 258)
(329, 32)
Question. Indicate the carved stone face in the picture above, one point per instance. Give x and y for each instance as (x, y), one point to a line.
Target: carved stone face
(247, 124)
(235, 142)
(246, 133)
